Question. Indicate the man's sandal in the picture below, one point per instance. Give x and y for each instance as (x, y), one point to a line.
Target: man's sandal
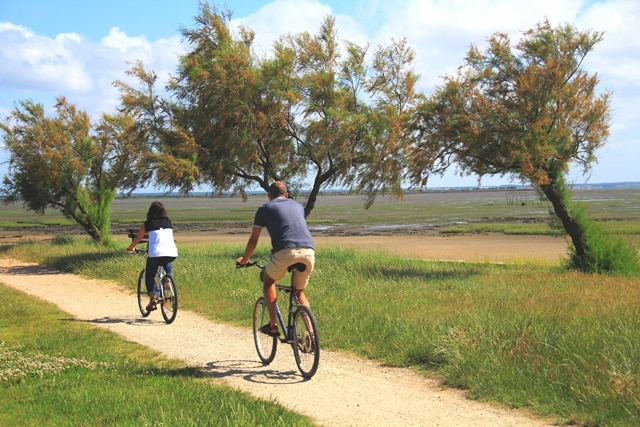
(272, 331)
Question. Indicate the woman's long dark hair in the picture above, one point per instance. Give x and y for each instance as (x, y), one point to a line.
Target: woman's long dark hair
(157, 210)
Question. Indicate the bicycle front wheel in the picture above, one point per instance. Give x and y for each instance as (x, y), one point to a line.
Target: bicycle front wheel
(306, 343)
(143, 297)
(266, 345)
(169, 303)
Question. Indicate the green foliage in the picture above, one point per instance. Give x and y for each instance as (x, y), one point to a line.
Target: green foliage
(528, 111)
(315, 111)
(600, 249)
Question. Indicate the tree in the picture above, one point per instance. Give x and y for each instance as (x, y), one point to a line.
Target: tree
(234, 106)
(60, 163)
(530, 112)
(225, 127)
(351, 118)
(307, 112)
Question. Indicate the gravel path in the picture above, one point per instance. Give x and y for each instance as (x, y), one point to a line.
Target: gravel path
(345, 392)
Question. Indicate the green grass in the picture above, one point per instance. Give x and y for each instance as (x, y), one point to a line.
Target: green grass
(455, 208)
(57, 372)
(530, 336)
(519, 228)
(556, 342)
(539, 228)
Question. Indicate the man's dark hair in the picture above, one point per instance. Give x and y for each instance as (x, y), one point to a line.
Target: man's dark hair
(277, 189)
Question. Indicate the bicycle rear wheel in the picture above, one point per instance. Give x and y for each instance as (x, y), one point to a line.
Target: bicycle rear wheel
(266, 345)
(306, 342)
(142, 295)
(169, 305)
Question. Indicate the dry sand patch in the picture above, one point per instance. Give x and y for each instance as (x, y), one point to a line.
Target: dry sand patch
(468, 247)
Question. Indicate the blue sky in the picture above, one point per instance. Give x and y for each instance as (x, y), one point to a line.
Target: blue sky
(78, 48)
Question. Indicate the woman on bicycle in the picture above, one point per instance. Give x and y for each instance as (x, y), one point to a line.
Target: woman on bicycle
(162, 247)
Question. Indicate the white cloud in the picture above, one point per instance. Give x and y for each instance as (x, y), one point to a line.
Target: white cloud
(35, 66)
(441, 32)
(118, 39)
(30, 61)
(283, 17)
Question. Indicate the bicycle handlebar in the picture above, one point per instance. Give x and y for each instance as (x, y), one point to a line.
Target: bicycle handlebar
(249, 264)
(138, 251)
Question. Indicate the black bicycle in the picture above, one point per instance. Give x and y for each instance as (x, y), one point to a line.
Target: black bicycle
(166, 293)
(300, 330)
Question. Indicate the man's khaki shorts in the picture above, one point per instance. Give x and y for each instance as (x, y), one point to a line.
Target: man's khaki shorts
(279, 262)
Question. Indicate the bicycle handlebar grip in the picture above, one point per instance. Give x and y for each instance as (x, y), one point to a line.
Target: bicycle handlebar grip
(249, 264)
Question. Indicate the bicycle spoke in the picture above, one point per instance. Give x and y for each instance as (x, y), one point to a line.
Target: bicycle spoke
(306, 343)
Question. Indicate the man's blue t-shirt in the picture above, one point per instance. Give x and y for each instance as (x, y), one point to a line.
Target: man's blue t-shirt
(285, 222)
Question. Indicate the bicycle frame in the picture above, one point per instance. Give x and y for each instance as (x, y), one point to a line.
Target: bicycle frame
(160, 274)
(293, 303)
(160, 286)
(293, 300)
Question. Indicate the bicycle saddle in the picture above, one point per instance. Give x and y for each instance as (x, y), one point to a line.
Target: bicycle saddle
(297, 266)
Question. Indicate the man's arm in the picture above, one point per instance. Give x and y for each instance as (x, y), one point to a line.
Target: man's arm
(251, 245)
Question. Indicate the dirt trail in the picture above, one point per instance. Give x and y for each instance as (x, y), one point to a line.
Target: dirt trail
(345, 392)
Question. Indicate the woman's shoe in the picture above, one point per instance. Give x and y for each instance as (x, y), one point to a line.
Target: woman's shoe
(152, 305)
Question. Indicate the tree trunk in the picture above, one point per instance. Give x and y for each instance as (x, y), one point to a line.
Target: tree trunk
(571, 226)
(311, 201)
(320, 179)
(94, 232)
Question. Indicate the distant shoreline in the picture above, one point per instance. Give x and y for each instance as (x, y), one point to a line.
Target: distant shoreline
(337, 191)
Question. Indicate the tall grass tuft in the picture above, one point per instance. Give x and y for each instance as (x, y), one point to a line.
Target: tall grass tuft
(606, 253)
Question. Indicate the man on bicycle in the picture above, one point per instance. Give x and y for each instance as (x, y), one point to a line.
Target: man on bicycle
(291, 243)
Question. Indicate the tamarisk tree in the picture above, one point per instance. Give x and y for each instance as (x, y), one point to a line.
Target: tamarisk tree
(529, 111)
(66, 163)
(315, 110)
